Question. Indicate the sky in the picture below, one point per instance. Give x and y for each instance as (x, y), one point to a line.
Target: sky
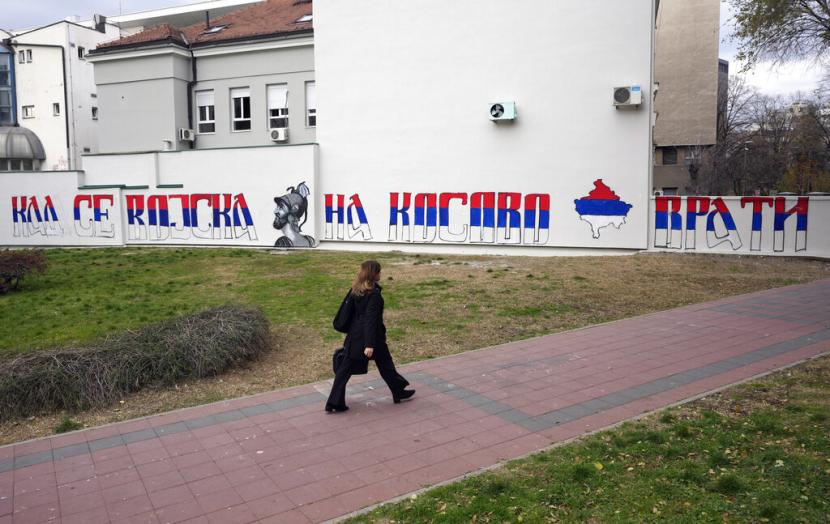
(785, 80)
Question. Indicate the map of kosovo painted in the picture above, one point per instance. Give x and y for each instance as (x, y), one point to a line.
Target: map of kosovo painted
(602, 208)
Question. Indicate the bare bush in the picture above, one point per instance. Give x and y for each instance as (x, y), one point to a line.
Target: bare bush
(15, 265)
(198, 345)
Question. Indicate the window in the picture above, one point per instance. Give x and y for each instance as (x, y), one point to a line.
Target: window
(5, 70)
(206, 120)
(28, 111)
(95, 113)
(27, 165)
(81, 52)
(14, 164)
(56, 109)
(241, 109)
(5, 106)
(21, 57)
(6, 88)
(304, 18)
(87, 150)
(277, 106)
(669, 156)
(311, 104)
(28, 55)
(669, 191)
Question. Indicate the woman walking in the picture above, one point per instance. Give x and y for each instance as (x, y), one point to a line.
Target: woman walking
(366, 340)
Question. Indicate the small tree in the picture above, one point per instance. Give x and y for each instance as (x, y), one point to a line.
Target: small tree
(15, 265)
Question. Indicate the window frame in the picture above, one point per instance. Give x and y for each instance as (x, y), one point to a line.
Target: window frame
(210, 112)
(28, 56)
(242, 118)
(27, 111)
(21, 56)
(56, 109)
(282, 112)
(309, 111)
(94, 111)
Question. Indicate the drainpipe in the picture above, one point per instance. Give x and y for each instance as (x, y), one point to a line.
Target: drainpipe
(190, 86)
(13, 44)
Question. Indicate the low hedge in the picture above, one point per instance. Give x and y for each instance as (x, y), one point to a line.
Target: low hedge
(190, 346)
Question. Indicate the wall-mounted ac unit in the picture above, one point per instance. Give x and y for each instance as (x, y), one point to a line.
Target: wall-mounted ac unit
(186, 135)
(279, 135)
(501, 111)
(628, 96)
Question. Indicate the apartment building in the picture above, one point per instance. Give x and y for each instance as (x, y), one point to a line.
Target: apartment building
(692, 91)
(242, 79)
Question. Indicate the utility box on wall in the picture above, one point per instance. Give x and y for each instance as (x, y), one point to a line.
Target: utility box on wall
(424, 161)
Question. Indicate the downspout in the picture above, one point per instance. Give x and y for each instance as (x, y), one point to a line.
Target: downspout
(190, 86)
(65, 94)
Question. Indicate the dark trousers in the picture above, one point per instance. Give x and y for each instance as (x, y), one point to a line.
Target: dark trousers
(383, 360)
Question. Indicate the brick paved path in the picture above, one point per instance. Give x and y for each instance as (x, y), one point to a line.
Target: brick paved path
(277, 457)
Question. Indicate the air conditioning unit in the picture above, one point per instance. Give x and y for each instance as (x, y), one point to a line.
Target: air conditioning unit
(501, 111)
(279, 135)
(628, 96)
(186, 135)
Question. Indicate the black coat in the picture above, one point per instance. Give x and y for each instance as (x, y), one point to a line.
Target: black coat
(367, 330)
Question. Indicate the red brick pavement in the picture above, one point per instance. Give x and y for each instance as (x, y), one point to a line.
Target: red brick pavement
(294, 463)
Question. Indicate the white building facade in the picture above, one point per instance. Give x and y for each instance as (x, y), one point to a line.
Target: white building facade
(426, 126)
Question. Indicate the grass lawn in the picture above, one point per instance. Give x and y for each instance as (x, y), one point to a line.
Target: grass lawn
(436, 305)
(758, 452)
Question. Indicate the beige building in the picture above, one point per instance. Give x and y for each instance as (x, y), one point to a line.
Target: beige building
(691, 92)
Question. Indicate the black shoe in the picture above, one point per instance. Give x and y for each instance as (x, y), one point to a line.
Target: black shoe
(403, 395)
(332, 409)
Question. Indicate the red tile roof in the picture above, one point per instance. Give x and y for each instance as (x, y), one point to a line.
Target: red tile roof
(271, 17)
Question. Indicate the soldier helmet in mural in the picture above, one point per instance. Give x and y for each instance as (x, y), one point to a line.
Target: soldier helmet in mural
(291, 208)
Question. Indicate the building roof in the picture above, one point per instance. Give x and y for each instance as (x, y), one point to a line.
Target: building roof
(19, 142)
(270, 18)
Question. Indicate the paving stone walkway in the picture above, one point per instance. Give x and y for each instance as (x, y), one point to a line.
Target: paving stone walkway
(277, 457)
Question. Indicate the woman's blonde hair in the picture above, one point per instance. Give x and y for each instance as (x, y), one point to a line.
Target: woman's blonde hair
(365, 279)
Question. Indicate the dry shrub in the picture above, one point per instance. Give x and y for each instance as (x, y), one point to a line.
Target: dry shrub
(14, 265)
(191, 346)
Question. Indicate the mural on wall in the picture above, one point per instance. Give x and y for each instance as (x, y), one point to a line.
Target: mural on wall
(351, 219)
(92, 215)
(602, 208)
(479, 218)
(34, 215)
(676, 230)
(202, 216)
(291, 208)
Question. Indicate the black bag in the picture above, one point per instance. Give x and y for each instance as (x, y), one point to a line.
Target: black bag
(337, 358)
(343, 319)
(358, 367)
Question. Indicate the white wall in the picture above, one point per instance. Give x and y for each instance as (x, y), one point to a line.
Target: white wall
(39, 209)
(403, 97)
(782, 225)
(231, 191)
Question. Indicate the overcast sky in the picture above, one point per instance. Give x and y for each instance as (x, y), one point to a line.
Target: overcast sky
(18, 14)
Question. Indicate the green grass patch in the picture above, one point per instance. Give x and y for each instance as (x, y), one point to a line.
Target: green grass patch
(67, 424)
(739, 457)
